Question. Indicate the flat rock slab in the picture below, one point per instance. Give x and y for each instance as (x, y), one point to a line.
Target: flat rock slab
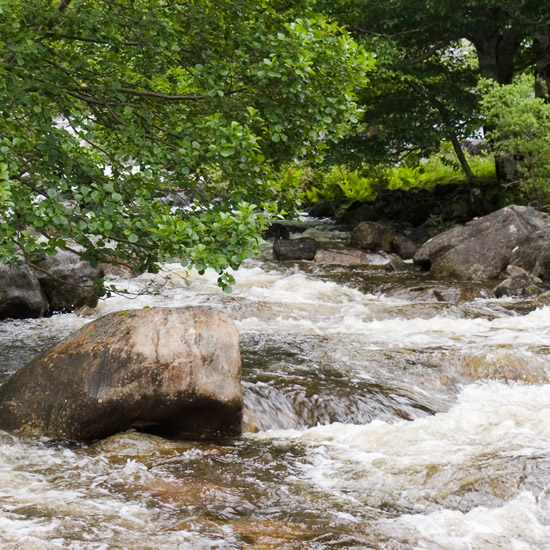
(349, 257)
(173, 372)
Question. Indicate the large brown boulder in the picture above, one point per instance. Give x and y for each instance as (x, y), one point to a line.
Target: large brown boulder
(21, 296)
(484, 247)
(173, 372)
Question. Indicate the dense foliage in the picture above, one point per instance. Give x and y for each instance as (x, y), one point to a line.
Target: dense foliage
(430, 57)
(520, 129)
(109, 107)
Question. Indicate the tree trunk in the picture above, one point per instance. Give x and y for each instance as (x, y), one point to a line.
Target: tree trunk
(445, 119)
(497, 45)
(63, 5)
(470, 176)
(541, 48)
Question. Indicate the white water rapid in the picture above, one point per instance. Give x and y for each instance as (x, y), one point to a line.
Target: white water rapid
(371, 423)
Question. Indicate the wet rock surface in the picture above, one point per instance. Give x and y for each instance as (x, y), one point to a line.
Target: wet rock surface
(373, 236)
(303, 248)
(173, 372)
(61, 283)
(534, 256)
(21, 295)
(433, 292)
(519, 283)
(67, 281)
(484, 247)
(343, 257)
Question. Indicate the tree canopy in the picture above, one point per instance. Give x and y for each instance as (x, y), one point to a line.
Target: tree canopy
(109, 107)
(431, 55)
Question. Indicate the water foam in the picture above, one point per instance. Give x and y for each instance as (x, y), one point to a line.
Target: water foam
(491, 447)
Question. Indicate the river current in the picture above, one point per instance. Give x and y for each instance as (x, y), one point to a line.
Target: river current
(370, 423)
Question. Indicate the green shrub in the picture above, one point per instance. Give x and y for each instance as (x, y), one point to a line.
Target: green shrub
(341, 186)
(520, 130)
(441, 168)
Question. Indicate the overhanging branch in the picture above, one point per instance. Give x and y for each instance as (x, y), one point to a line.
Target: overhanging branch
(151, 93)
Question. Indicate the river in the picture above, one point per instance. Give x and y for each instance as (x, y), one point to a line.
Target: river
(371, 423)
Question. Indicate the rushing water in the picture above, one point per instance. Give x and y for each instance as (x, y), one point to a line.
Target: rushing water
(370, 422)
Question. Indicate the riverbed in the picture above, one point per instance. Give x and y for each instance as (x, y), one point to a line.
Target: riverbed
(370, 422)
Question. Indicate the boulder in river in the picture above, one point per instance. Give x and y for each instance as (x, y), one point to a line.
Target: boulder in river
(67, 281)
(376, 236)
(431, 292)
(404, 247)
(373, 236)
(519, 283)
(303, 248)
(484, 247)
(173, 372)
(21, 296)
(534, 256)
(345, 257)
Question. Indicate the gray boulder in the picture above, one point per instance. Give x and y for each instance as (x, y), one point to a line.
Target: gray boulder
(484, 247)
(396, 264)
(404, 247)
(303, 248)
(373, 236)
(519, 283)
(173, 372)
(67, 281)
(21, 296)
(534, 256)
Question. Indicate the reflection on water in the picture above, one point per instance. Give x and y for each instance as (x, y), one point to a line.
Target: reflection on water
(372, 422)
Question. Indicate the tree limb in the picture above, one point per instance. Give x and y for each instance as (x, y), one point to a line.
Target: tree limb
(158, 95)
(63, 5)
(88, 39)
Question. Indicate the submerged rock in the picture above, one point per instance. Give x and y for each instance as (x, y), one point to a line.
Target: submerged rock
(484, 247)
(21, 296)
(464, 292)
(173, 372)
